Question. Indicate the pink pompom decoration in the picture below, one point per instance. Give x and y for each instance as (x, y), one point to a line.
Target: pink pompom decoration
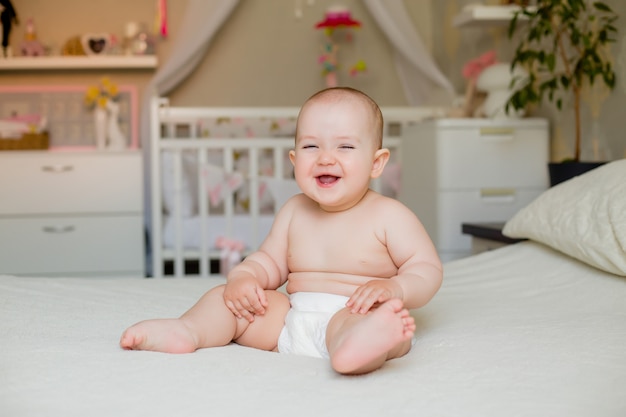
(473, 68)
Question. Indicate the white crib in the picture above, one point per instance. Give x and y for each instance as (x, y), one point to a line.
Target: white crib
(210, 182)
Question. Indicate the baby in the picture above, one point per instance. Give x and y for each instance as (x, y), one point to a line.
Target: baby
(354, 261)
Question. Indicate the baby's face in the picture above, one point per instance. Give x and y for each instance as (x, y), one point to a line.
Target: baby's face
(334, 152)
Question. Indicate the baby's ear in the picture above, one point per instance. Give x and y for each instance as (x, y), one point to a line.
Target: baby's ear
(292, 156)
(381, 157)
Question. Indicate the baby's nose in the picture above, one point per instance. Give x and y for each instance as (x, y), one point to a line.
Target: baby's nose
(326, 158)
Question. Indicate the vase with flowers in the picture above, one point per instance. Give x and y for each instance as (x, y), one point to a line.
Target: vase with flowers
(98, 98)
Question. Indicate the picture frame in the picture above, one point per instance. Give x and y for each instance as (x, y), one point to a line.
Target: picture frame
(70, 123)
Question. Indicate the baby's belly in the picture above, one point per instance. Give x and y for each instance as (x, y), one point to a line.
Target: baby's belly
(328, 282)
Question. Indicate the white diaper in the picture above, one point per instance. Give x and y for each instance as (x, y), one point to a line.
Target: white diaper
(304, 332)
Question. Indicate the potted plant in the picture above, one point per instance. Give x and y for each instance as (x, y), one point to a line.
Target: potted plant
(562, 47)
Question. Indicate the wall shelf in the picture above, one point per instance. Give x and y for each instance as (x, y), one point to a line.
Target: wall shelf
(88, 62)
(480, 15)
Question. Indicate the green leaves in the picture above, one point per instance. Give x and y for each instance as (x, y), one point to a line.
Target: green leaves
(563, 44)
(602, 7)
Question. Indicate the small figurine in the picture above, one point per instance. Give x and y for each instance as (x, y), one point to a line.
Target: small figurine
(73, 47)
(30, 45)
(7, 18)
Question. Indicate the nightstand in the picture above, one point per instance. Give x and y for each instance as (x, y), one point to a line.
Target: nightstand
(487, 236)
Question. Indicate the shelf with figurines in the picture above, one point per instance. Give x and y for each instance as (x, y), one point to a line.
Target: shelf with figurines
(79, 62)
(82, 52)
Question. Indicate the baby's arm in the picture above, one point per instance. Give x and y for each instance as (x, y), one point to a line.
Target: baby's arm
(265, 269)
(419, 273)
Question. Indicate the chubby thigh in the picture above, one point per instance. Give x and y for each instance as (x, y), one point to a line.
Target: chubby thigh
(263, 332)
(304, 332)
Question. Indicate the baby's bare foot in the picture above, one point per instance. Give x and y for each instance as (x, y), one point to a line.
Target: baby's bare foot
(162, 335)
(375, 335)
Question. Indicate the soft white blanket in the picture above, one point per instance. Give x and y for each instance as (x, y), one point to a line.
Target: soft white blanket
(522, 331)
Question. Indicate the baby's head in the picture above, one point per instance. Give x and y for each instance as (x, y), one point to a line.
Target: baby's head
(338, 147)
(337, 94)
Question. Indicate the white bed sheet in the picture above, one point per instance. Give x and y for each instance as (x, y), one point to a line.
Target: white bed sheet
(521, 331)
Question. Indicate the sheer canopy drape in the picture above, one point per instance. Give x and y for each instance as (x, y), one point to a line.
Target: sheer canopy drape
(421, 79)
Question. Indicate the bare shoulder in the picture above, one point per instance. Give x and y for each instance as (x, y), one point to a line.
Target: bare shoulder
(395, 219)
(406, 238)
(291, 206)
(275, 243)
(295, 202)
(390, 206)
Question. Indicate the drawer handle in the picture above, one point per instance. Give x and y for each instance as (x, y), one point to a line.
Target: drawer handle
(497, 195)
(58, 229)
(57, 168)
(500, 134)
(497, 130)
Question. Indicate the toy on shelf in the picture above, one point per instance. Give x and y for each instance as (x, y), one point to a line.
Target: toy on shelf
(335, 19)
(471, 71)
(95, 43)
(7, 17)
(73, 47)
(489, 86)
(138, 40)
(30, 45)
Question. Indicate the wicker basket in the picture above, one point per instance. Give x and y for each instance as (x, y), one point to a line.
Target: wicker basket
(28, 141)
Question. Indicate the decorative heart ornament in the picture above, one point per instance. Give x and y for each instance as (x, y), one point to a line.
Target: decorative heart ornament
(95, 44)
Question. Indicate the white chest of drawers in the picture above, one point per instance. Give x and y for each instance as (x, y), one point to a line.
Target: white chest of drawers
(471, 170)
(71, 213)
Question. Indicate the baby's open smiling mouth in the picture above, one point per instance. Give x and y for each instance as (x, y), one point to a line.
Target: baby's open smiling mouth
(327, 179)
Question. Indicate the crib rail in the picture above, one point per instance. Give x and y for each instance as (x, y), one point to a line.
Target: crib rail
(228, 149)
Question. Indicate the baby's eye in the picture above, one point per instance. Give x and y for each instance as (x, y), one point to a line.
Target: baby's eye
(346, 147)
(309, 146)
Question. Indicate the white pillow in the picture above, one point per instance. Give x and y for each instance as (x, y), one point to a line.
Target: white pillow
(584, 217)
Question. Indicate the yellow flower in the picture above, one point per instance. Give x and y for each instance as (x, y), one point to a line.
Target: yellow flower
(98, 95)
(92, 93)
(113, 92)
(102, 102)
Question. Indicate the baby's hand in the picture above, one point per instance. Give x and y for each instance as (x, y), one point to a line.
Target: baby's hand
(245, 298)
(374, 292)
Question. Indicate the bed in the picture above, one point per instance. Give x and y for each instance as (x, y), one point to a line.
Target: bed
(532, 329)
(222, 173)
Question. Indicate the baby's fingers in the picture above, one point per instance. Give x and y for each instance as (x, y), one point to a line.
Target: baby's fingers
(256, 306)
(239, 311)
(362, 302)
(260, 292)
(231, 306)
